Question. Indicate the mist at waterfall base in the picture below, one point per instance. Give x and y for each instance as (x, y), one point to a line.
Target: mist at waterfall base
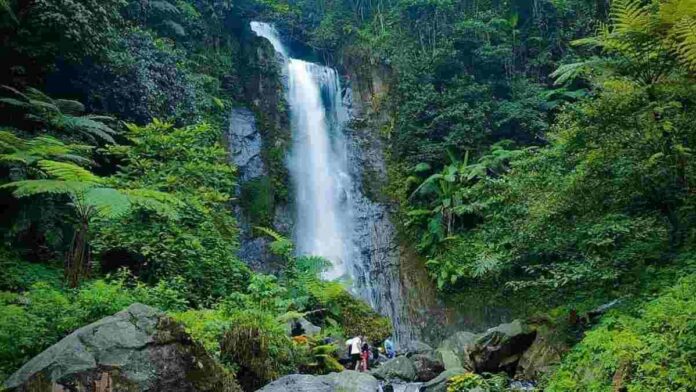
(317, 161)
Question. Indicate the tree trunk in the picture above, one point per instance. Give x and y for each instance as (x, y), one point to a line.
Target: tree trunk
(78, 261)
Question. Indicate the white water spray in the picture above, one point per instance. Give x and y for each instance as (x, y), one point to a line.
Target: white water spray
(317, 161)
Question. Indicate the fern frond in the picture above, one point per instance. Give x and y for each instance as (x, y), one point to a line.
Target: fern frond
(630, 16)
(164, 7)
(26, 188)
(68, 106)
(15, 102)
(89, 127)
(98, 117)
(485, 265)
(15, 92)
(38, 104)
(38, 95)
(69, 172)
(108, 202)
(9, 141)
(685, 33)
(271, 233)
(162, 203)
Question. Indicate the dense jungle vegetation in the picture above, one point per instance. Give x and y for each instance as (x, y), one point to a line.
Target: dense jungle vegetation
(540, 153)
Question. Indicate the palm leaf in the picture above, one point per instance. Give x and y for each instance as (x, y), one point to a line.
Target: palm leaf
(427, 182)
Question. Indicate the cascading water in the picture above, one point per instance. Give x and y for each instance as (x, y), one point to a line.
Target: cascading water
(333, 217)
(317, 161)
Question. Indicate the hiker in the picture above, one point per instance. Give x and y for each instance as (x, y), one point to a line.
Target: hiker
(364, 356)
(389, 348)
(354, 346)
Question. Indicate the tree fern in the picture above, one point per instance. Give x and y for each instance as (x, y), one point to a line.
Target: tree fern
(10, 142)
(685, 33)
(630, 16)
(163, 204)
(69, 172)
(14, 150)
(281, 246)
(28, 188)
(107, 202)
(60, 115)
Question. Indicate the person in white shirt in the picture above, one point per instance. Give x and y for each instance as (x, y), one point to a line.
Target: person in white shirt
(354, 345)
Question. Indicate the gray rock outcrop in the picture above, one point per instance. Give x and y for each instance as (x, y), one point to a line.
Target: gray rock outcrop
(399, 368)
(245, 144)
(428, 366)
(543, 356)
(137, 349)
(455, 351)
(301, 326)
(500, 348)
(347, 381)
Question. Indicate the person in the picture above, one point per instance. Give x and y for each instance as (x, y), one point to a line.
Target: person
(364, 356)
(354, 346)
(389, 348)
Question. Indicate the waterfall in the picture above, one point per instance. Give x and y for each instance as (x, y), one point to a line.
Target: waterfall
(317, 161)
(333, 217)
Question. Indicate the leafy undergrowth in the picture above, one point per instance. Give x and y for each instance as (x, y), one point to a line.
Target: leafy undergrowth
(651, 350)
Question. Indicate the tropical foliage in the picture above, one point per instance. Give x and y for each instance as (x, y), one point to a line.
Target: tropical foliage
(540, 156)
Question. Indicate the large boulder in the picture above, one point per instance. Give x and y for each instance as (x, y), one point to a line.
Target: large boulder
(428, 366)
(439, 383)
(402, 387)
(347, 381)
(416, 347)
(461, 344)
(449, 359)
(300, 326)
(500, 348)
(137, 349)
(401, 368)
(543, 356)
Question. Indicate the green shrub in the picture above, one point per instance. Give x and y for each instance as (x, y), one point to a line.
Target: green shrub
(18, 275)
(207, 326)
(354, 316)
(258, 348)
(653, 350)
(483, 383)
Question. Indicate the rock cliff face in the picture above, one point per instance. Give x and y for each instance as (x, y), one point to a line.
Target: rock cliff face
(137, 349)
(378, 274)
(395, 283)
(258, 136)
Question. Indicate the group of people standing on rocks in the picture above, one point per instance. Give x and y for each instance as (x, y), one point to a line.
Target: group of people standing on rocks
(361, 352)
